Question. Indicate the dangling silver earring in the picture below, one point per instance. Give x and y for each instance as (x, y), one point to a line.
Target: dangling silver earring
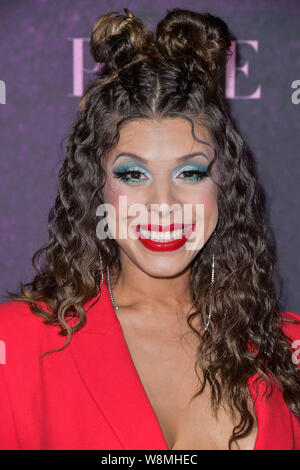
(212, 280)
(101, 268)
(108, 283)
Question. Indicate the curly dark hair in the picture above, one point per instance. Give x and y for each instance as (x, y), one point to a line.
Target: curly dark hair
(179, 73)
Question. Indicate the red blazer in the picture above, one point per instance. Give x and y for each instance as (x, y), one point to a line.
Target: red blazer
(89, 396)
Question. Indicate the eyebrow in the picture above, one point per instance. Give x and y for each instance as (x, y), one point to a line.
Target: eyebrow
(143, 160)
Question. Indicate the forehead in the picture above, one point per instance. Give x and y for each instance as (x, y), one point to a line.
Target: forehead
(167, 138)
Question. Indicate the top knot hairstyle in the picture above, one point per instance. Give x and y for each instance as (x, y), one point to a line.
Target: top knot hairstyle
(200, 43)
(197, 45)
(119, 40)
(178, 73)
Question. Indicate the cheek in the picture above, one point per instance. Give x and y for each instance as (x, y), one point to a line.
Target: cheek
(121, 198)
(206, 195)
(112, 192)
(211, 210)
(210, 205)
(207, 214)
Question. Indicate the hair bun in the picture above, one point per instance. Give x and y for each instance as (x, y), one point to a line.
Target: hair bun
(202, 39)
(116, 40)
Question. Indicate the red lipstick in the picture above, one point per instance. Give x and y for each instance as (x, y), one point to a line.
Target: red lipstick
(164, 246)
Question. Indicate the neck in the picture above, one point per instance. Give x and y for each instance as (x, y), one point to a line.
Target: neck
(138, 290)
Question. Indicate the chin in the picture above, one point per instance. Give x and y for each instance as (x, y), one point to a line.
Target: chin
(165, 271)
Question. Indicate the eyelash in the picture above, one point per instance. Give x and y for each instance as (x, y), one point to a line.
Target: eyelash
(201, 175)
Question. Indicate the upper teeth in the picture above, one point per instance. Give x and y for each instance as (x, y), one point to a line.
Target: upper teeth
(162, 236)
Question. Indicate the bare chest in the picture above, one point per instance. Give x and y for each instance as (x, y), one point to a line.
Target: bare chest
(165, 366)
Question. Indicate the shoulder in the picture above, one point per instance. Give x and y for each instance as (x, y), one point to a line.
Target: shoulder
(22, 332)
(15, 312)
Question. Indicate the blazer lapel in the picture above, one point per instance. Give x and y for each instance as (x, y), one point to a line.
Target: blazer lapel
(105, 365)
(274, 424)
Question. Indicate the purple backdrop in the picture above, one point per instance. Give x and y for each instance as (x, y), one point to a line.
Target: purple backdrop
(44, 64)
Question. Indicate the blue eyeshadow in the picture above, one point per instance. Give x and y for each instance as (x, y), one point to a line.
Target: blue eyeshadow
(128, 166)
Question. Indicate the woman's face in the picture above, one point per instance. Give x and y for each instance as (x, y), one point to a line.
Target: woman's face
(165, 189)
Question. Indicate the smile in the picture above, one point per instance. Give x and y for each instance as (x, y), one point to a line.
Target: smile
(164, 237)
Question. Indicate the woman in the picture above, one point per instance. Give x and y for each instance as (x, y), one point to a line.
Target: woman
(174, 335)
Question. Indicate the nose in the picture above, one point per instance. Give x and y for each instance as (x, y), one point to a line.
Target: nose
(163, 202)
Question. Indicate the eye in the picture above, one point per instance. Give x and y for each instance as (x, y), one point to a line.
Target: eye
(131, 176)
(194, 175)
